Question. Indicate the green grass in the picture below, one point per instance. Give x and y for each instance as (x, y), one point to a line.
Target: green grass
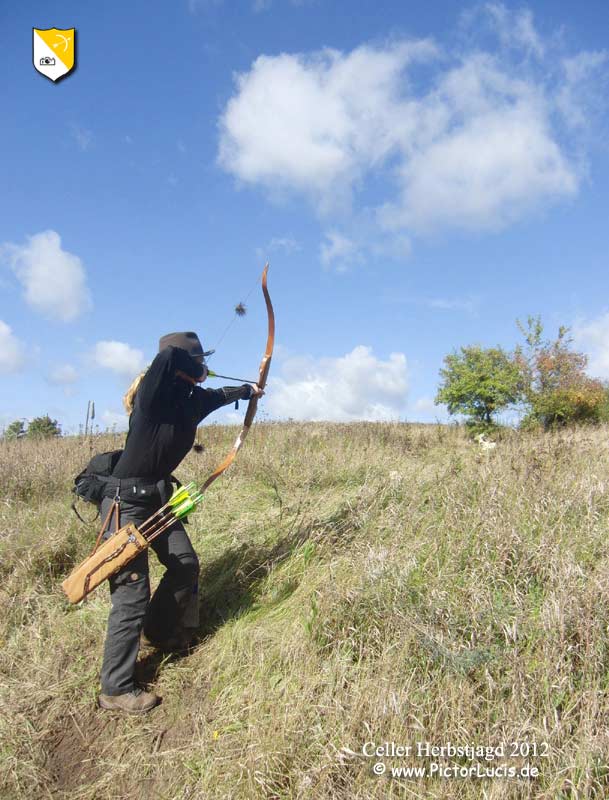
(364, 582)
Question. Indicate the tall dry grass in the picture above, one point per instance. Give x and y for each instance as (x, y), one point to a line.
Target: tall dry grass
(360, 583)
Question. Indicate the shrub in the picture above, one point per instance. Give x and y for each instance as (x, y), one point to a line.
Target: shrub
(43, 427)
(477, 382)
(555, 384)
(15, 430)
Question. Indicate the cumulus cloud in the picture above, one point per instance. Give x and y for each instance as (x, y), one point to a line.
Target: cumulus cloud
(592, 337)
(497, 164)
(12, 350)
(356, 386)
(119, 357)
(63, 375)
(472, 138)
(54, 280)
(330, 105)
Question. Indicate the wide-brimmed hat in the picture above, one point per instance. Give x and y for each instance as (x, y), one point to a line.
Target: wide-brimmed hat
(187, 340)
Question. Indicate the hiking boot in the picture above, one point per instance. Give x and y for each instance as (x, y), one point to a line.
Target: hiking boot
(135, 702)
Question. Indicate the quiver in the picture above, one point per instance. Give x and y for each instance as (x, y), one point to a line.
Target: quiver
(118, 550)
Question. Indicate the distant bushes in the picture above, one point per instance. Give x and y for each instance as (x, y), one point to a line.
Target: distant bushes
(478, 382)
(39, 428)
(556, 389)
(545, 381)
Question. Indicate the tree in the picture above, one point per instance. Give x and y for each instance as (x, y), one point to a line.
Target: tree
(15, 430)
(43, 427)
(555, 384)
(478, 382)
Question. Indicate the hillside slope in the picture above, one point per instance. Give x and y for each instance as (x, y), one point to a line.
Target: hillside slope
(360, 583)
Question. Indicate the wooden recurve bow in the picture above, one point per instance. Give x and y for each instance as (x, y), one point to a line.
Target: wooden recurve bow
(252, 407)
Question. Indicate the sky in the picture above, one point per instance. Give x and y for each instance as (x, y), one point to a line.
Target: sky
(419, 176)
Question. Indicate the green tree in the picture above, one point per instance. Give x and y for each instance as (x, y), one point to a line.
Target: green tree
(15, 430)
(555, 385)
(43, 427)
(478, 382)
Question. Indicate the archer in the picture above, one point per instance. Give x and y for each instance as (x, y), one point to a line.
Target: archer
(165, 406)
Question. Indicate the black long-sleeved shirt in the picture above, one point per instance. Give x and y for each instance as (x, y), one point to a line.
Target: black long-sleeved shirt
(165, 416)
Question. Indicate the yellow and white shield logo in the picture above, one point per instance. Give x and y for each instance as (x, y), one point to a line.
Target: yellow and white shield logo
(54, 51)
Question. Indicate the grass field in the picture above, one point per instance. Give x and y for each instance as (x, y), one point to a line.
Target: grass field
(360, 583)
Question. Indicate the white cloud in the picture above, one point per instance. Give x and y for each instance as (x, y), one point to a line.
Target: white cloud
(470, 138)
(12, 350)
(278, 244)
(425, 404)
(339, 250)
(285, 243)
(331, 106)
(54, 280)
(115, 420)
(356, 386)
(425, 410)
(63, 375)
(593, 338)
(495, 166)
(228, 418)
(515, 29)
(582, 91)
(119, 357)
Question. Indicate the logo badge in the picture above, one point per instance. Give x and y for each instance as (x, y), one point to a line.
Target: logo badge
(54, 52)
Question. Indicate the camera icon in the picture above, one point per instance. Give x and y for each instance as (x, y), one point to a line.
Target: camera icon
(47, 61)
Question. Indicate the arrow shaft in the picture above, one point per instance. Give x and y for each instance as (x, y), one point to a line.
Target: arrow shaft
(228, 377)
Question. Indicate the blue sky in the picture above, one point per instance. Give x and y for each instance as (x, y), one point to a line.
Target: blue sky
(419, 175)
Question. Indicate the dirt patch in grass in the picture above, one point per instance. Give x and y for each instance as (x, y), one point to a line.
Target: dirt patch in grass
(72, 749)
(77, 751)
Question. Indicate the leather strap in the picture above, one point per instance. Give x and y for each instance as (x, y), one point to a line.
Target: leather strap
(116, 508)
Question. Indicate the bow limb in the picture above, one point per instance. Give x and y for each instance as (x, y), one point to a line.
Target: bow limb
(265, 364)
(252, 407)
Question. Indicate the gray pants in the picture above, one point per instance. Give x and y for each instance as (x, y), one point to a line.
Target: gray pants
(173, 607)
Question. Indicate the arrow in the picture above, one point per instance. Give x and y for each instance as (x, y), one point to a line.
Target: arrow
(228, 377)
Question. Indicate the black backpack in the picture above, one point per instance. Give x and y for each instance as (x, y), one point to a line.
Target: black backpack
(89, 484)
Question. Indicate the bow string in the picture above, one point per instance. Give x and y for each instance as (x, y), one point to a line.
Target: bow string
(263, 372)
